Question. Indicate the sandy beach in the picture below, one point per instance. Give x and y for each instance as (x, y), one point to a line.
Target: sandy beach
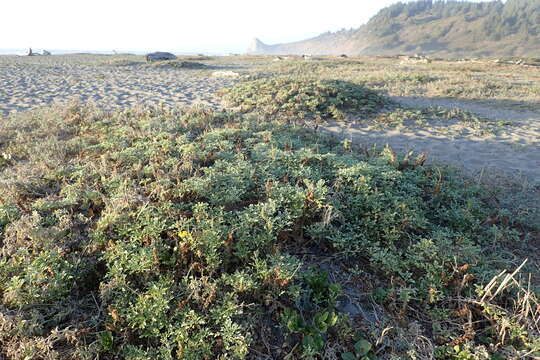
(108, 81)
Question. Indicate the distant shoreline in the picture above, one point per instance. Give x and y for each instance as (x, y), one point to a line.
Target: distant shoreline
(64, 52)
(21, 52)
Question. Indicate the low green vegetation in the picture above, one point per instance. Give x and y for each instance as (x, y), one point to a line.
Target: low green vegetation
(184, 64)
(291, 98)
(200, 57)
(194, 234)
(484, 79)
(400, 116)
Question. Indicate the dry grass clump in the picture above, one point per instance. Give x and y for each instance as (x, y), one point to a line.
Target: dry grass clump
(194, 234)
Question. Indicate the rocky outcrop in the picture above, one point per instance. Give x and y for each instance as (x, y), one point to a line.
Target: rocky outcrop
(258, 47)
(160, 56)
(325, 44)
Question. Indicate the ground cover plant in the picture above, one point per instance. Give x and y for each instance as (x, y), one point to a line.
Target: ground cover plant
(194, 234)
(184, 64)
(409, 117)
(298, 99)
(469, 79)
(293, 98)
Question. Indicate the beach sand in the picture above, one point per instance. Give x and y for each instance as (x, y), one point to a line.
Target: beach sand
(109, 82)
(512, 151)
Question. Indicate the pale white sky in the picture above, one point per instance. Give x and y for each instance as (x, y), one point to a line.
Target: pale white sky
(169, 25)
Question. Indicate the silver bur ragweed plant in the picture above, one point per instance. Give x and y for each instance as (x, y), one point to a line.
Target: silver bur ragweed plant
(187, 234)
(292, 98)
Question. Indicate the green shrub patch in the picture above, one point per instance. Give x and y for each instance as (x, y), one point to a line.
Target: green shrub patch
(149, 234)
(300, 99)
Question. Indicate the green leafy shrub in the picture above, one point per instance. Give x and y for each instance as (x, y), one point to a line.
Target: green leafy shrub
(362, 350)
(179, 235)
(314, 312)
(294, 98)
(8, 214)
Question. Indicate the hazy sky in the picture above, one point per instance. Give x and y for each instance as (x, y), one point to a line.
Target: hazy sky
(173, 25)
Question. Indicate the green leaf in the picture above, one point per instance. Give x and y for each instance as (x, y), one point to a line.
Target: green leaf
(292, 319)
(106, 339)
(379, 294)
(322, 317)
(295, 323)
(332, 319)
(320, 321)
(313, 342)
(362, 347)
(348, 356)
(319, 342)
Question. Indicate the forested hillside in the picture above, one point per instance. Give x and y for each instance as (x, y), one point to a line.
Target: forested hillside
(441, 28)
